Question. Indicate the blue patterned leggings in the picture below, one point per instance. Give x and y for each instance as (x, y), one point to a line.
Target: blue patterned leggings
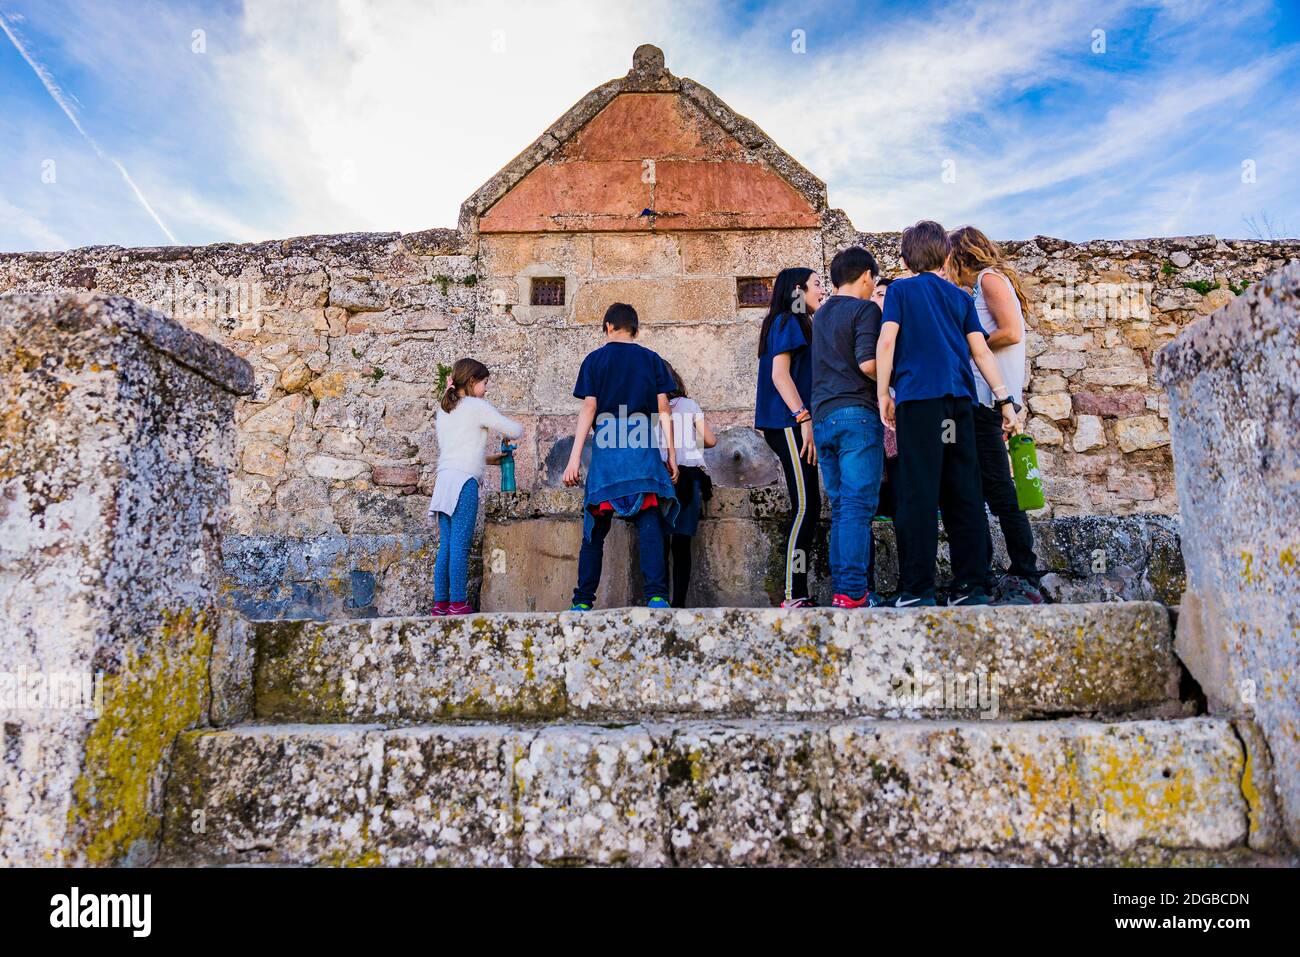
(451, 570)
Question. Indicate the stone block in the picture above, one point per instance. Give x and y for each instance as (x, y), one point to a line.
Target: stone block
(1056, 406)
(1088, 434)
(1141, 432)
(114, 484)
(1233, 381)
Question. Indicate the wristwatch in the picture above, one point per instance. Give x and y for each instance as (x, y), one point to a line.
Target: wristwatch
(999, 403)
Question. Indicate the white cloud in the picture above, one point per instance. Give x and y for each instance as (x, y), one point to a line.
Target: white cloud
(387, 116)
(31, 231)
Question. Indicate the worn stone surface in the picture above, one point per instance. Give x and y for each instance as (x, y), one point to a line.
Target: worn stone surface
(687, 793)
(1234, 398)
(1109, 658)
(531, 545)
(332, 576)
(114, 474)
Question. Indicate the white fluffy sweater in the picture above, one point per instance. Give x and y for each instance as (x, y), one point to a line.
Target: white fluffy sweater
(463, 434)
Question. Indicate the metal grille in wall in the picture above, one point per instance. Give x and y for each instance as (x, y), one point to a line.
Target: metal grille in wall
(753, 291)
(548, 291)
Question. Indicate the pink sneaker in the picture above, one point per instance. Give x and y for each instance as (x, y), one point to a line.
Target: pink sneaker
(440, 608)
(797, 603)
(459, 608)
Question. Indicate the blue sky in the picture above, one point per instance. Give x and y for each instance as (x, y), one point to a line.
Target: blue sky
(194, 121)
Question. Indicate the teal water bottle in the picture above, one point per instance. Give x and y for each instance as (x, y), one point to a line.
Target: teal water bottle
(508, 466)
(1024, 469)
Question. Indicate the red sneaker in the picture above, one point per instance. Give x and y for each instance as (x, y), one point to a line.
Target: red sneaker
(844, 601)
(440, 608)
(459, 608)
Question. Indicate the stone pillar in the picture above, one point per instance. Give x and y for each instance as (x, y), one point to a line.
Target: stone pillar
(116, 444)
(1234, 389)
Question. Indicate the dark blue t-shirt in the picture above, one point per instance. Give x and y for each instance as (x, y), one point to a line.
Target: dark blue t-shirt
(785, 335)
(931, 356)
(624, 374)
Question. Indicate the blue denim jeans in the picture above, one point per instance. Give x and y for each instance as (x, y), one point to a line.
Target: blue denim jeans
(451, 567)
(650, 546)
(851, 453)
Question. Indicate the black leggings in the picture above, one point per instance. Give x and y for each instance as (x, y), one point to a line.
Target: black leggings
(678, 548)
(805, 507)
(1000, 495)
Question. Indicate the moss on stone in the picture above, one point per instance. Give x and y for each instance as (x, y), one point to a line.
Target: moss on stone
(153, 697)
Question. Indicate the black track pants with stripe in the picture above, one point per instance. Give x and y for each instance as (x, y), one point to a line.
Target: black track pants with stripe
(805, 507)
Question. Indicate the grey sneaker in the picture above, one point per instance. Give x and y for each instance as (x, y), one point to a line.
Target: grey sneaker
(1014, 590)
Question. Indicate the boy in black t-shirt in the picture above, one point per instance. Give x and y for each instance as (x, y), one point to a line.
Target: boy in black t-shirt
(846, 422)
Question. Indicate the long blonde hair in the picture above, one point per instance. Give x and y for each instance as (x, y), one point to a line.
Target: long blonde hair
(973, 252)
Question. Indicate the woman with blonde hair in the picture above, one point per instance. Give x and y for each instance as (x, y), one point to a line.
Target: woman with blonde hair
(976, 263)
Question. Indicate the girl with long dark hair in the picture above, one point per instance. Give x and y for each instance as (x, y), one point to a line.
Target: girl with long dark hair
(781, 413)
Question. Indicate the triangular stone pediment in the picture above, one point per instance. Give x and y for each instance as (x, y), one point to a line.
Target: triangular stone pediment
(649, 152)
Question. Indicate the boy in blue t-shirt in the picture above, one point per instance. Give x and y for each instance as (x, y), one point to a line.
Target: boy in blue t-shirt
(929, 335)
(622, 386)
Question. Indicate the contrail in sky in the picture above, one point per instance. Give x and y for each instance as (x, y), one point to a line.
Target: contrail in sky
(56, 94)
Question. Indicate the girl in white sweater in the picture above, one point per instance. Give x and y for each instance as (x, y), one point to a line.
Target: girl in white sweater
(463, 420)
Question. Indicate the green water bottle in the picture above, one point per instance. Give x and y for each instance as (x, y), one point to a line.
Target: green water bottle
(1024, 469)
(508, 466)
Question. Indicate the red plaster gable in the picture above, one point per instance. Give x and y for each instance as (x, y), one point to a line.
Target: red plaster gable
(569, 197)
(635, 126)
(594, 182)
(729, 195)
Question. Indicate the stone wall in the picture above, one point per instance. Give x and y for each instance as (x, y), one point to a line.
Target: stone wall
(350, 336)
(530, 539)
(115, 465)
(1234, 388)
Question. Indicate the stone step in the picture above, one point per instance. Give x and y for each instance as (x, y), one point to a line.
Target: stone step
(1103, 659)
(742, 791)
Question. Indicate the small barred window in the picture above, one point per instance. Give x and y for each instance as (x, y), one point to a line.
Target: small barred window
(548, 291)
(752, 291)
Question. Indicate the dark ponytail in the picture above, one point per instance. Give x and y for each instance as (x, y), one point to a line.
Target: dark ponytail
(463, 375)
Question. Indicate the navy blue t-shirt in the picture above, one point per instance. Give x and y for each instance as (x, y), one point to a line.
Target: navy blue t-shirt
(785, 335)
(624, 374)
(931, 356)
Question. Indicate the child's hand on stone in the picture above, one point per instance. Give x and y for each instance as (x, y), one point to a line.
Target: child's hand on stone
(571, 474)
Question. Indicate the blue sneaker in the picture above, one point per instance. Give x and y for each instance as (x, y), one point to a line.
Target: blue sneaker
(657, 602)
(579, 606)
(908, 600)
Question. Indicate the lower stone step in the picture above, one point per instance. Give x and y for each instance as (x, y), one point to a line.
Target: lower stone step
(1098, 659)
(742, 792)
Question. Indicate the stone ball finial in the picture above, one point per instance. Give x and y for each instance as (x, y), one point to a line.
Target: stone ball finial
(648, 59)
